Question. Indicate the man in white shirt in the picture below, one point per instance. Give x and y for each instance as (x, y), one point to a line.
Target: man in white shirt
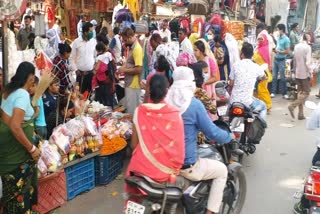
(185, 43)
(115, 44)
(303, 72)
(82, 20)
(82, 57)
(165, 32)
(243, 79)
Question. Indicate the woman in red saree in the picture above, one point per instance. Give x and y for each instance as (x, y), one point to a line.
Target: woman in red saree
(158, 136)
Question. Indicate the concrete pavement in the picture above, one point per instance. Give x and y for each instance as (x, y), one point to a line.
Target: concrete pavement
(274, 173)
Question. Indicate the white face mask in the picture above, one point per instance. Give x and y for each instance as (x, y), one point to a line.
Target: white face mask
(210, 37)
(206, 76)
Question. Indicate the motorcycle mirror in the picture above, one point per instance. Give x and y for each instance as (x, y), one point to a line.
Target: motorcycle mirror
(311, 105)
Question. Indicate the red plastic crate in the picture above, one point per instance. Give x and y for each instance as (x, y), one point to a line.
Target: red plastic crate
(52, 192)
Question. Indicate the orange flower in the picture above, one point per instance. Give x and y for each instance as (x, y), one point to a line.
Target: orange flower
(20, 198)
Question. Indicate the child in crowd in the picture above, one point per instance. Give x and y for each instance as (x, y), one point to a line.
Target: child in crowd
(40, 121)
(64, 110)
(50, 98)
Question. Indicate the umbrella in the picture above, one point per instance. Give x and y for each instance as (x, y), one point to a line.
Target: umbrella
(124, 15)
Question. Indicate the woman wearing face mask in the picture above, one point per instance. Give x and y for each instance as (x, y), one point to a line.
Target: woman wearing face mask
(210, 37)
(198, 70)
(203, 53)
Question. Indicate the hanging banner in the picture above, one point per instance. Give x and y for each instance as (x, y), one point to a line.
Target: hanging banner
(10, 9)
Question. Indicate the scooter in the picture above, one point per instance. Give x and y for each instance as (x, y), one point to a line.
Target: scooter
(312, 182)
(190, 197)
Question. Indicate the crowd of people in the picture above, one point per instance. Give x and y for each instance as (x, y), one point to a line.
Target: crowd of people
(178, 75)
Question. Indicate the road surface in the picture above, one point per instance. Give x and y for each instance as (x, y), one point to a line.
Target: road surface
(274, 173)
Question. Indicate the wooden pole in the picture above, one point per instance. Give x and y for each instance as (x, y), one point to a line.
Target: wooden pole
(5, 51)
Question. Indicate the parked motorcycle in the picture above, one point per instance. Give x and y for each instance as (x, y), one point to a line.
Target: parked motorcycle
(151, 197)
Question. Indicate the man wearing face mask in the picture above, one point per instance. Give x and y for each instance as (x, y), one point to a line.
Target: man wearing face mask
(82, 57)
(132, 69)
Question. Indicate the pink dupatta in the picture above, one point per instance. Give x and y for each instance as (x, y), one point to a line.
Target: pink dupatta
(161, 129)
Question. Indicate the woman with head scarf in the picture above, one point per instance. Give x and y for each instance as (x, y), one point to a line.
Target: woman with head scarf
(221, 54)
(195, 118)
(185, 59)
(52, 48)
(234, 53)
(160, 49)
(203, 53)
(158, 136)
(262, 56)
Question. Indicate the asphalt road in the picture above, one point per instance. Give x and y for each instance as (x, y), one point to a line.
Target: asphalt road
(274, 173)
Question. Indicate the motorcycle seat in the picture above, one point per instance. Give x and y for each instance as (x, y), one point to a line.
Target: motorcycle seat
(173, 194)
(149, 180)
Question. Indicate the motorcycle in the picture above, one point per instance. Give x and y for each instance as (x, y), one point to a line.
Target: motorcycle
(222, 100)
(312, 190)
(240, 118)
(312, 182)
(189, 197)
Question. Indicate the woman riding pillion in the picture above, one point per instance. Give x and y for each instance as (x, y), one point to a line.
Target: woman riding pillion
(195, 118)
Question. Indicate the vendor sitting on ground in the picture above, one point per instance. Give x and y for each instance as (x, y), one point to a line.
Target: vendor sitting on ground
(65, 110)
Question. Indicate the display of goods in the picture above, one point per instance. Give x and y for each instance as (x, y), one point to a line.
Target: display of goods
(112, 146)
(76, 138)
(50, 160)
(80, 178)
(117, 128)
(52, 192)
(108, 167)
(236, 28)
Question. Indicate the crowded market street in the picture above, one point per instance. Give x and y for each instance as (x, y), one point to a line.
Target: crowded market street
(160, 107)
(274, 173)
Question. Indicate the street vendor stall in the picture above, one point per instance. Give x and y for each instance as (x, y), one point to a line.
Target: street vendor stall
(82, 153)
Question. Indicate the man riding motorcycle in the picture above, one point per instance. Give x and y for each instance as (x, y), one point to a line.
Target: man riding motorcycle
(242, 81)
(195, 118)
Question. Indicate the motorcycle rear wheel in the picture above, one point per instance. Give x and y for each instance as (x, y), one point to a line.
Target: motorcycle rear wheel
(240, 198)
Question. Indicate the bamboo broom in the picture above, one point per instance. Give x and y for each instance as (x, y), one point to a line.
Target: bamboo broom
(46, 80)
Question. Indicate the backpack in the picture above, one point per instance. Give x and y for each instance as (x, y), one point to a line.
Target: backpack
(257, 130)
(112, 69)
